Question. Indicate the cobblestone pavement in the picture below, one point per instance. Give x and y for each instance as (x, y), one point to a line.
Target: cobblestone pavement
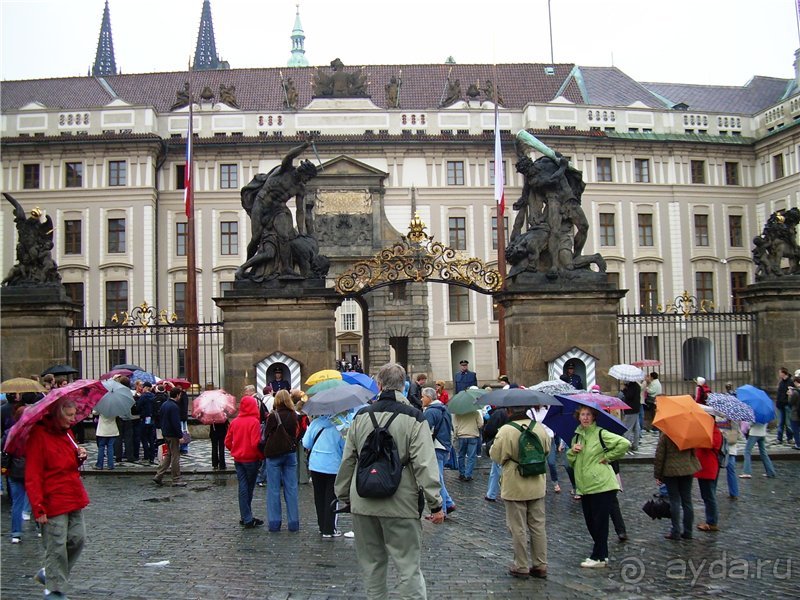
(133, 527)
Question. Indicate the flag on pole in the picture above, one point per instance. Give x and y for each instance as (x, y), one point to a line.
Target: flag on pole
(499, 188)
(187, 172)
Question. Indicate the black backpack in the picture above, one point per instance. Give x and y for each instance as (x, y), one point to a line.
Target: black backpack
(379, 469)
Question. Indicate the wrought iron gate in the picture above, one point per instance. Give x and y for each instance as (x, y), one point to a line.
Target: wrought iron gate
(690, 340)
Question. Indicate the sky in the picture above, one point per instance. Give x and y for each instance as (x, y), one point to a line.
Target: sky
(724, 42)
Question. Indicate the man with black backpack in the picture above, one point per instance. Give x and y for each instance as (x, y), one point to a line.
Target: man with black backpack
(521, 447)
(388, 474)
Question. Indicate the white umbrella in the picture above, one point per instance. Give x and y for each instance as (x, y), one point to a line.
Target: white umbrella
(626, 373)
(553, 387)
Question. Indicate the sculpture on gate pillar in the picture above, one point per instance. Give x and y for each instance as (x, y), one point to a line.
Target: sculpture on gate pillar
(550, 227)
(776, 242)
(277, 249)
(35, 264)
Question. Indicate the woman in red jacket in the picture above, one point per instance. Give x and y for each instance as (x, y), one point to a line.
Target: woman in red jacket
(56, 493)
(707, 480)
(244, 434)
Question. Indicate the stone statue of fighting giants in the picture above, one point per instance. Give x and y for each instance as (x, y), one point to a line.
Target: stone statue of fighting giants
(778, 241)
(277, 249)
(550, 227)
(35, 264)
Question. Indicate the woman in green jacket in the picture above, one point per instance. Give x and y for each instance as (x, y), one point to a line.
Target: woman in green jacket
(590, 457)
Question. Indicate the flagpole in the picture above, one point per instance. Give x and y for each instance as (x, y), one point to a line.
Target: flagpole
(192, 354)
(501, 228)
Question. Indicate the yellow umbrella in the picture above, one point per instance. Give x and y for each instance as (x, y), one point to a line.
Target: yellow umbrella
(20, 385)
(684, 421)
(324, 375)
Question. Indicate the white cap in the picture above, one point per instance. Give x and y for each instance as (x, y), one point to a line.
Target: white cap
(700, 380)
(797, 373)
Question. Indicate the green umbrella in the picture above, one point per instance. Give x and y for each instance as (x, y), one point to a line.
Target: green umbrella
(465, 402)
(325, 385)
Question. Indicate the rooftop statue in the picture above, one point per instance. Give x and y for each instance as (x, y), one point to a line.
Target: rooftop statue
(181, 97)
(277, 249)
(340, 84)
(452, 92)
(550, 227)
(776, 242)
(227, 95)
(35, 264)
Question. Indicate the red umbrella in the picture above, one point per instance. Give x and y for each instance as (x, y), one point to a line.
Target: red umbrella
(114, 372)
(86, 393)
(178, 382)
(213, 406)
(647, 362)
(603, 401)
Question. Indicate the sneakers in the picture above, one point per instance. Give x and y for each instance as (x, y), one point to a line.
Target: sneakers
(16, 540)
(349, 535)
(26, 516)
(745, 476)
(179, 484)
(591, 563)
(40, 577)
(253, 524)
(336, 533)
(490, 499)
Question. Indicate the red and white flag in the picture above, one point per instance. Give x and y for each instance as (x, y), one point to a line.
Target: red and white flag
(499, 188)
(187, 172)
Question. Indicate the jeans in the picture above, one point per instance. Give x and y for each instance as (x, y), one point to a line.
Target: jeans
(596, 512)
(784, 413)
(552, 456)
(708, 492)
(246, 474)
(494, 481)
(262, 472)
(105, 449)
(641, 419)
(282, 470)
(680, 496)
(467, 451)
(633, 433)
(762, 452)
(17, 489)
(733, 481)
(441, 456)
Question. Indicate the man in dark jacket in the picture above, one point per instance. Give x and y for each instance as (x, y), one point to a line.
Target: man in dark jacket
(144, 405)
(171, 429)
(441, 423)
(497, 419)
(415, 390)
(632, 396)
(463, 379)
(782, 404)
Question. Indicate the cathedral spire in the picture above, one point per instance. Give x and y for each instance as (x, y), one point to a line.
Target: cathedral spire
(298, 57)
(205, 53)
(104, 62)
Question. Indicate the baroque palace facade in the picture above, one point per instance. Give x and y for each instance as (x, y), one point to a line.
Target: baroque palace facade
(680, 178)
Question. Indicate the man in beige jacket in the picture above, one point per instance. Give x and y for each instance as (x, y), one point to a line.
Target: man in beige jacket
(523, 497)
(467, 428)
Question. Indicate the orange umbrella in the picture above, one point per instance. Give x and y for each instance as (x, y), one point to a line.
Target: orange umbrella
(683, 421)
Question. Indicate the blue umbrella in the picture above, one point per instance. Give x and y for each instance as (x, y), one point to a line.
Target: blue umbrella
(142, 376)
(562, 421)
(361, 379)
(759, 401)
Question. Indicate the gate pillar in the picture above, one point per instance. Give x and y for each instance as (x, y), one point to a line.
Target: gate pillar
(776, 304)
(542, 323)
(297, 320)
(34, 333)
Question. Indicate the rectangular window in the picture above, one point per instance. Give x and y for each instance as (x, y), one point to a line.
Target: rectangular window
(181, 357)
(645, 229)
(742, 347)
(650, 347)
(701, 230)
(608, 232)
(116, 299)
(75, 293)
(648, 293)
(181, 238)
(491, 173)
(74, 175)
(72, 236)
(641, 170)
(229, 238)
(613, 279)
(30, 177)
(117, 357)
(116, 236)
(777, 166)
(397, 292)
(494, 232)
(348, 322)
(698, 168)
(455, 172)
(459, 303)
(603, 169)
(735, 231)
(738, 283)
(704, 288)
(180, 176)
(225, 286)
(179, 305)
(731, 173)
(458, 233)
(117, 173)
(228, 177)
